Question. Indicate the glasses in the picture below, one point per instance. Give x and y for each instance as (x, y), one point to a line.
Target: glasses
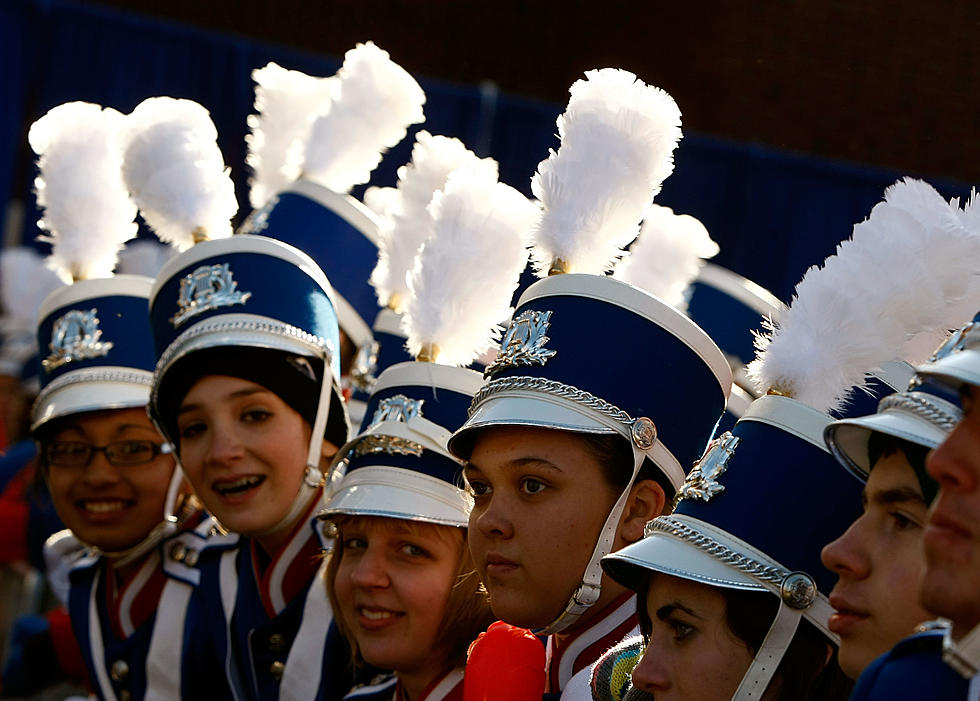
(78, 454)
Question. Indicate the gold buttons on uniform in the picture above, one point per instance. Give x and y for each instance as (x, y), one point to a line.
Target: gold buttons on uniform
(277, 642)
(119, 671)
(276, 669)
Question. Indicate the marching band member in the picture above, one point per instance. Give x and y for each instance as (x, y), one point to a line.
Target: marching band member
(401, 577)
(304, 168)
(111, 475)
(600, 394)
(733, 576)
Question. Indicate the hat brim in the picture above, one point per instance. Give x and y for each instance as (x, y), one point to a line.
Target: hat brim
(392, 492)
(848, 438)
(961, 367)
(99, 394)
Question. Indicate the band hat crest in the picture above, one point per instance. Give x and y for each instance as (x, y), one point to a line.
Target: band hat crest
(957, 360)
(555, 382)
(95, 335)
(398, 465)
(340, 234)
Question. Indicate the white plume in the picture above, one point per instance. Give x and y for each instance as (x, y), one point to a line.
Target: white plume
(376, 101)
(617, 136)
(895, 279)
(87, 211)
(667, 255)
(143, 257)
(175, 171)
(286, 103)
(383, 201)
(25, 281)
(433, 159)
(466, 273)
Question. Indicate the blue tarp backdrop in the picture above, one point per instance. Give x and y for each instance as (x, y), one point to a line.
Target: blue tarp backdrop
(773, 213)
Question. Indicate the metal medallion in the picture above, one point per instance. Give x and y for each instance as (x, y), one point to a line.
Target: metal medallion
(644, 433)
(258, 220)
(798, 590)
(392, 445)
(75, 336)
(397, 408)
(523, 342)
(209, 287)
(362, 372)
(702, 483)
(956, 342)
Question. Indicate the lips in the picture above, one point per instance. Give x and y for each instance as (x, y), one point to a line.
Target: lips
(237, 488)
(847, 616)
(499, 566)
(376, 618)
(102, 509)
(942, 530)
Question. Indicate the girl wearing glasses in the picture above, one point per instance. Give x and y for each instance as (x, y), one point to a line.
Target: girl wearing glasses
(113, 483)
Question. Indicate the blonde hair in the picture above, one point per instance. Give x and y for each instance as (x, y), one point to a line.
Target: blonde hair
(467, 609)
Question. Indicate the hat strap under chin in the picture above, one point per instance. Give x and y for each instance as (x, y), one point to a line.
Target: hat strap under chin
(770, 654)
(590, 587)
(963, 655)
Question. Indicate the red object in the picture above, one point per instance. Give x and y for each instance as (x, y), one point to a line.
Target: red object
(14, 512)
(66, 645)
(506, 663)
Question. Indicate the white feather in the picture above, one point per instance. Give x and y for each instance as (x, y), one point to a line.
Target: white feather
(466, 273)
(433, 159)
(175, 171)
(87, 211)
(377, 100)
(383, 201)
(667, 255)
(143, 257)
(286, 103)
(894, 280)
(25, 281)
(617, 136)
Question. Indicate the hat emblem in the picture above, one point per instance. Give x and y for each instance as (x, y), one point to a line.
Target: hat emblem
(362, 372)
(258, 221)
(956, 342)
(209, 287)
(75, 336)
(397, 408)
(703, 483)
(523, 342)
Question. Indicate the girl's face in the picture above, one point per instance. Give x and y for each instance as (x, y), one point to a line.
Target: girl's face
(112, 507)
(392, 585)
(692, 654)
(540, 499)
(244, 451)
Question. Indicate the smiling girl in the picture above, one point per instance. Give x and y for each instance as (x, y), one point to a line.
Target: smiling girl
(247, 389)
(401, 579)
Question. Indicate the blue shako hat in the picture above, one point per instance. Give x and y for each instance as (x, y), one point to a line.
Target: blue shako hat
(957, 361)
(398, 466)
(96, 349)
(246, 291)
(745, 519)
(729, 308)
(340, 234)
(547, 374)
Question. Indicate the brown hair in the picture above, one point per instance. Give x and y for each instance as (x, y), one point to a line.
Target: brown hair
(467, 610)
(615, 454)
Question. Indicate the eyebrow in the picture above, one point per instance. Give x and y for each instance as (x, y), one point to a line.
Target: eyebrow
(664, 612)
(897, 495)
(122, 428)
(184, 408)
(518, 463)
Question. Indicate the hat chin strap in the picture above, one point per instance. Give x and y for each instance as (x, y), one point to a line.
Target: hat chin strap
(160, 532)
(313, 479)
(590, 587)
(963, 655)
(770, 654)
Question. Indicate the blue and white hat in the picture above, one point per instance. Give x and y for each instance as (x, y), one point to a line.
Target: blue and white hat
(96, 348)
(340, 234)
(398, 466)
(230, 293)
